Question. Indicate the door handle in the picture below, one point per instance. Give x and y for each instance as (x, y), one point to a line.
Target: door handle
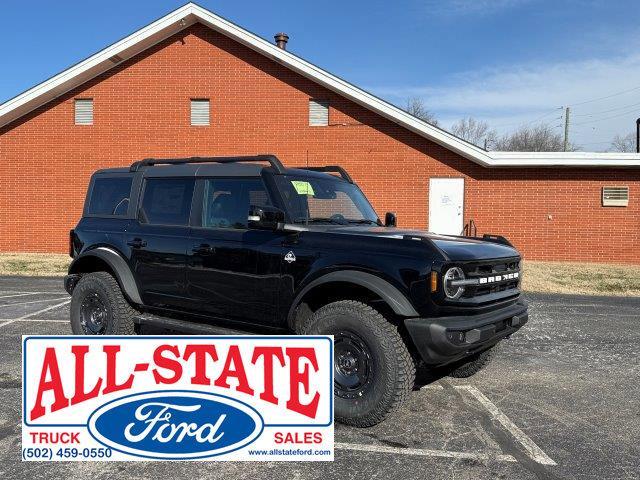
(137, 243)
(203, 249)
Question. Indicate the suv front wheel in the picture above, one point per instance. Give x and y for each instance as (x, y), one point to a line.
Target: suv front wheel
(373, 370)
(98, 307)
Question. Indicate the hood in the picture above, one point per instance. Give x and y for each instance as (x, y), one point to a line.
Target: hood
(454, 248)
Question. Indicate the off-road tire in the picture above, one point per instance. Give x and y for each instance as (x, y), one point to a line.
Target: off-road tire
(473, 364)
(120, 314)
(392, 367)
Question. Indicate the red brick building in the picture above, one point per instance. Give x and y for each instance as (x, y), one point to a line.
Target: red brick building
(135, 99)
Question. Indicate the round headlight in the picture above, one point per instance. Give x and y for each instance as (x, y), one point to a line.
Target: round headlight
(453, 291)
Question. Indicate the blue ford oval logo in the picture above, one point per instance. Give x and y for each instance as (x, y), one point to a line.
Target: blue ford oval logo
(175, 424)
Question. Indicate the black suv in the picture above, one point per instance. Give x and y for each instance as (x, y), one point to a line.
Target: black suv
(205, 245)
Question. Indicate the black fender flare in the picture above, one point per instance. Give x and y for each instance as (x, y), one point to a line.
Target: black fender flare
(398, 302)
(119, 266)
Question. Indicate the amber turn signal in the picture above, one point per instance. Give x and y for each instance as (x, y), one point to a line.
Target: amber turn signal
(434, 282)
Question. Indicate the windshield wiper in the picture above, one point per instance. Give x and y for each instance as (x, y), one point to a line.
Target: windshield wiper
(365, 221)
(319, 220)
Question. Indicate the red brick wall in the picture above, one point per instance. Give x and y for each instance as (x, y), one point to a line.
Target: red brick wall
(141, 109)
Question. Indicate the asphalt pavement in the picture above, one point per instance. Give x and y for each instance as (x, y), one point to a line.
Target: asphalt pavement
(561, 400)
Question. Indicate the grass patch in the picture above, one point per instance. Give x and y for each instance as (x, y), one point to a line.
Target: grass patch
(581, 278)
(34, 264)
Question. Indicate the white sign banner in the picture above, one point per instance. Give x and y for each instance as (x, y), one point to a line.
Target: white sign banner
(263, 398)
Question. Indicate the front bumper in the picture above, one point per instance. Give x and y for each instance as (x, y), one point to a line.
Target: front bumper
(444, 340)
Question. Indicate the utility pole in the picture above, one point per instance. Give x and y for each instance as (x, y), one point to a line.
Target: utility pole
(566, 128)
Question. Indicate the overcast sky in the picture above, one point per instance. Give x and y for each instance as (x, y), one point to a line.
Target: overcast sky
(508, 62)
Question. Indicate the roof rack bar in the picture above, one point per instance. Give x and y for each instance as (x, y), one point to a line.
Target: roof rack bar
(330, 168)
(147, 162)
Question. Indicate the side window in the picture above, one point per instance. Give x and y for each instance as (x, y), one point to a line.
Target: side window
(167, 201)
(227, 201)
(110, 196)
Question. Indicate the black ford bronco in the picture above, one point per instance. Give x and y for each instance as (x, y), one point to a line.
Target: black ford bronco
(209, 245)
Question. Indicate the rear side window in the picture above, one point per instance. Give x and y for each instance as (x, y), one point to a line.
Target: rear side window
(110, 196)
(167, 201)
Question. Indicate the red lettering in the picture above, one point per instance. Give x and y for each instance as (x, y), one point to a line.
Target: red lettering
(298, 379)
(167, 363)
(49, 366)
(201, 352)
(234, 357)
(268, 353)
(80, 395)
(298, 437)
(55, 437)
(111, 383)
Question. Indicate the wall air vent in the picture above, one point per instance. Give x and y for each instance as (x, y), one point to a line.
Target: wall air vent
(318, 113)
(83, 110)
(615, 196)
(200, 112)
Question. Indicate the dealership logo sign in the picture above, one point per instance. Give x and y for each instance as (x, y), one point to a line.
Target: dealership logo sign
(176, 425)
(177, 398)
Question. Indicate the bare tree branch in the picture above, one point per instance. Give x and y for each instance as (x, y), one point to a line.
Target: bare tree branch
(475, 131)
(625, 143)
(540, 138)
(417, 108)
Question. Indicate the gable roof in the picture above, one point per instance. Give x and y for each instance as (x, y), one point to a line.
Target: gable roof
(191, 13)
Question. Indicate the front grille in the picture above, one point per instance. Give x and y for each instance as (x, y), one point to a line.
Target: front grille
(493, 276)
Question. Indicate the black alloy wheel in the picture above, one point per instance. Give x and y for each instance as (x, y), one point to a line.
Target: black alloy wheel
(93, 314)
(353, 365)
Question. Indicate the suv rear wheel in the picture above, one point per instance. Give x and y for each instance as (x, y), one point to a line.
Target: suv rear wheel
(373, 370)
(98, 307)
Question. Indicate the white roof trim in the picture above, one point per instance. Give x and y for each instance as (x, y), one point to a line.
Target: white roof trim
(191, 13)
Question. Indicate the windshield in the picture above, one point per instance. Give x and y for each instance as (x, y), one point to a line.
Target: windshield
(325, 200)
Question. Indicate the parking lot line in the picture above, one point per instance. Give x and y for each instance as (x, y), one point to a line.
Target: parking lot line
(52, 307)
(432, 386)
(21, 294)
(32, 301)
(533, 450)
(33, 320)
(424, 452)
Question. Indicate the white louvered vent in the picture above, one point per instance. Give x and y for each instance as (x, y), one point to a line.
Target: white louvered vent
(318, 113)
(200, 111)
(84, 111)
(615, 196)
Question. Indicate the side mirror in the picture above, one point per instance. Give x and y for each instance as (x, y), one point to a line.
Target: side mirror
(265, 218)
(390, 219)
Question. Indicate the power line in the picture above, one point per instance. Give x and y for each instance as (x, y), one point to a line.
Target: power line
(607, 118)
(550, 112)
(531, 121)
(605, 111)
(608, 96)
